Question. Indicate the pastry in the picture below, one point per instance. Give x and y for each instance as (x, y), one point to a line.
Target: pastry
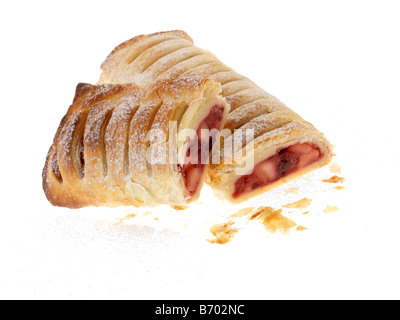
(284, 145)
(122, 144)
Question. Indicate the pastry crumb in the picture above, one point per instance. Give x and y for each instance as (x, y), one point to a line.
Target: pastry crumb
(127, 217)
(334, 179)
(307, 212)
(301, 228)
(273, 220)
(330, 209)
(243, 212)
(335, 168)
(223, 233)
(301, 204)
(338, 188)
(178, 208)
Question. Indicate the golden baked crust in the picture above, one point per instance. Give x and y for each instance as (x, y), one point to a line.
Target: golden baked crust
(171, 55)
(100, 151)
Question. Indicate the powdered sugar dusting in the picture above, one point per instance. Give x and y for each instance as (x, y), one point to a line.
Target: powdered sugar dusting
(114, 121)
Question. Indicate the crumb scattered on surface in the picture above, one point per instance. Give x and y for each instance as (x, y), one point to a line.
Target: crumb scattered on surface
(242, 213)
(330, 209)
(292, 191)
(127, 217)
(301, 204)
(334, 179)
(273, 220)
(307, 212)
(335, 168)
(178, 208)
(301, 228)
(338, 188)
(223, 233)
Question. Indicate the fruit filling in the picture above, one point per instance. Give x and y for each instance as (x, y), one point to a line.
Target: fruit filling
(56, 168)
(197, 156)
(286, 161)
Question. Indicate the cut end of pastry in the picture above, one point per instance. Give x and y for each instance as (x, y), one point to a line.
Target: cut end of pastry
(286, 164)
(208, 115)
(193, 172)
(271, 166)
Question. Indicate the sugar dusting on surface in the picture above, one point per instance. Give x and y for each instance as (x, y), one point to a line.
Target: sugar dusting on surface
(218, 223)
(292, 191)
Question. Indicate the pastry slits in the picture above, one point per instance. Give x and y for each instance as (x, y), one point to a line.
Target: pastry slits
(164, 64)
(275, 126)
(101, 154)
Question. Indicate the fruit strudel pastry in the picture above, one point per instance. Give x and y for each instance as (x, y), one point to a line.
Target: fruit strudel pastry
(283, 147)
(124, 144)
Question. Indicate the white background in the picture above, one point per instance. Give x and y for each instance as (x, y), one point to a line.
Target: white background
(336, 63)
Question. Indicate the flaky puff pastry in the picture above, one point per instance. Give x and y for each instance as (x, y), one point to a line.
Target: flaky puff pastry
(284, 146)
(115, 145)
